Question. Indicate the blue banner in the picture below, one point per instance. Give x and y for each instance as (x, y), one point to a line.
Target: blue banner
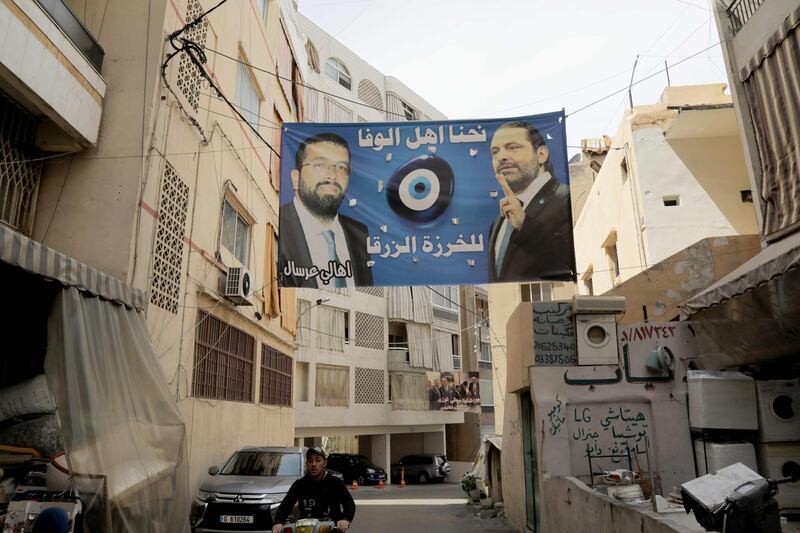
(425, 203)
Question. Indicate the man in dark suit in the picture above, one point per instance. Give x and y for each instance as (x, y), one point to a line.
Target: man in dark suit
(319, 246)
(531, 240)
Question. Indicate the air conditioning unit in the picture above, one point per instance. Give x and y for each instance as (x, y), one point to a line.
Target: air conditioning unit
(598, 304)
(597, 339)
(237, 285)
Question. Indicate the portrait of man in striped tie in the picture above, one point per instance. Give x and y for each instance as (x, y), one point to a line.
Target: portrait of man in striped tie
(314, 237)
(531, 240)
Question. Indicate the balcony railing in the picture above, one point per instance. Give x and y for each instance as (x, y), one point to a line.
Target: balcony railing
(740, 11)
(72, 26)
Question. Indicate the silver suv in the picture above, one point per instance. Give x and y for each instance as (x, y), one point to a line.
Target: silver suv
(422, 468)
(243, 495)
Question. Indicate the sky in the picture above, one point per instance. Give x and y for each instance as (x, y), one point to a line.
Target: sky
(502, 58)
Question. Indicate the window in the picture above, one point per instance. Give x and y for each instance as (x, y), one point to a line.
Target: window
(399, 342)
(613, 261)
(536, 292)
(19, 176)
(487, 392)
(332, 386)
(332, 328)
(285, 67)
(456, 352)
(276, 377)
(671, 201)
(247, 96)
(409, 112)
(223, 361)
(235, 233)
(445, 296)
(368, 92)
(313, 57)
(301, 382)
(336, 71)
(486, 353)
(347, 327)
(747, 196)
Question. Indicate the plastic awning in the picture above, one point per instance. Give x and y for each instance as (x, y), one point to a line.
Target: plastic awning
(773, 261)
(36, 258)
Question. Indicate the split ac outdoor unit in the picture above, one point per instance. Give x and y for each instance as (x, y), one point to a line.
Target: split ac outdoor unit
(597, 339)
(237, 285)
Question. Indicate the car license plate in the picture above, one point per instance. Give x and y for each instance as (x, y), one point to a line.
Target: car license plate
(236, 519)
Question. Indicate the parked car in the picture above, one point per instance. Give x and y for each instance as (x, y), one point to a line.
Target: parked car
(245, 492)
(421, 468)
(356, 467)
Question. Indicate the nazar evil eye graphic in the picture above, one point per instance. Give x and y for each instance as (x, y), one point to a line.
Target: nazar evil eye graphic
(421, 189)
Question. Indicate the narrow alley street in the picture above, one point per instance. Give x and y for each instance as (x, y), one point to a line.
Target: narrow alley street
(436, 507)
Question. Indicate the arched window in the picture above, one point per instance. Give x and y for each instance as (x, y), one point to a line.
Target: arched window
(336, 71)
(313, 56)
(369, 93)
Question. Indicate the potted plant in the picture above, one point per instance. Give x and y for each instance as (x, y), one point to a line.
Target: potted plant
(469, 483)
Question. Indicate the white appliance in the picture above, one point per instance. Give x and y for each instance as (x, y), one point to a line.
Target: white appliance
(721, 400)
(237, 284)
(712, 456)
(775, 460)
(778, 410)
(597, 339)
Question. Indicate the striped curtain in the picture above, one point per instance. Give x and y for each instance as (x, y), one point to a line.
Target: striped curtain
(443, 343)
(420, 348)
(400, 304)
(772, 86)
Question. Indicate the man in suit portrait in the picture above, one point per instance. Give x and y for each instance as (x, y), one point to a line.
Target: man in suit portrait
(312, 231)
(531, 240)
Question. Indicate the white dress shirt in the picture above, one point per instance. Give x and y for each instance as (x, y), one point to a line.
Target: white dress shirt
(526, 197)
(317, 245)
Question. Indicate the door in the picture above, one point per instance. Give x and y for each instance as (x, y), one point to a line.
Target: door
(529, 456)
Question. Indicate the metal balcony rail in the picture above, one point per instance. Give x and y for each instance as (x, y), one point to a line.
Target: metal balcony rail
(74, 29)
(740, 11)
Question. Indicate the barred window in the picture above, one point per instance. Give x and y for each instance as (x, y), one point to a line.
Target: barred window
(276, 377)
(223, 361)
(369, 331)
(189, 77)
(369, 385)
(374, 291)
(19, 181)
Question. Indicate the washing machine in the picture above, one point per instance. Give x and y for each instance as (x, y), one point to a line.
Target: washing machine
(778, 410)
(721, 400)
(776, 460)
(712, 456)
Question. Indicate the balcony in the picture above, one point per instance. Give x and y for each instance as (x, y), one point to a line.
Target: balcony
(740, 11)
(50, 64)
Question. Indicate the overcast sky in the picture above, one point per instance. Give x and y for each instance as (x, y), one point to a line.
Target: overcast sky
(500, 58)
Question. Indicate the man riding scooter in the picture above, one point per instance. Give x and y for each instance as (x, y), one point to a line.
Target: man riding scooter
(319, 494)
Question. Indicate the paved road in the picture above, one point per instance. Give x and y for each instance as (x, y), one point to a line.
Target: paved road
(439, 508)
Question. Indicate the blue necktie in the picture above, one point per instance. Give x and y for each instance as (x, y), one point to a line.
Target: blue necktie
(339, 283)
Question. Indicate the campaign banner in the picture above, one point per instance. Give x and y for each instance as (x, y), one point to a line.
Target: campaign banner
(453, 391)
(425, 203)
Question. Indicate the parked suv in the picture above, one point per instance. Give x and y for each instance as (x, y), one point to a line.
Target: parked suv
(244, 494)
(356, 467)
(422, 468)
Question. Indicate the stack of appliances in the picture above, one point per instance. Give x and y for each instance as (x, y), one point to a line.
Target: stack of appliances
(723, 419)
(778, 446)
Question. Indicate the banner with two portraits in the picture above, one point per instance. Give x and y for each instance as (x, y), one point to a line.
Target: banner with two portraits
(425, 203)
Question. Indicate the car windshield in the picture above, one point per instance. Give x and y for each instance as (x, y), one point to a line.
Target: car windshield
(252, 463)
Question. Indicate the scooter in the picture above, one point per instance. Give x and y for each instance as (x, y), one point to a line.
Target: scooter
(311, 525)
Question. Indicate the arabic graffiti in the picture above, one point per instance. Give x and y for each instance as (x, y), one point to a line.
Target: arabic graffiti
(432, 136)
(409, 245)
(647, 332)
(555, 418)
(608, 429)
(554, 334)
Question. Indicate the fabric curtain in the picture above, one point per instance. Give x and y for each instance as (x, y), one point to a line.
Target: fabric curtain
(289, 309)
(408, 391)
(443, 344)
(420, 350)
(423, 313)
(772, 88)
(118, 417)
(303, 320)
(400, 304)
(332, 386)
(330, 328)
(271, 297)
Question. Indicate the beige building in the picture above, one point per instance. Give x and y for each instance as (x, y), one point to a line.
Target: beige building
(158, 182)
(674, 174)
